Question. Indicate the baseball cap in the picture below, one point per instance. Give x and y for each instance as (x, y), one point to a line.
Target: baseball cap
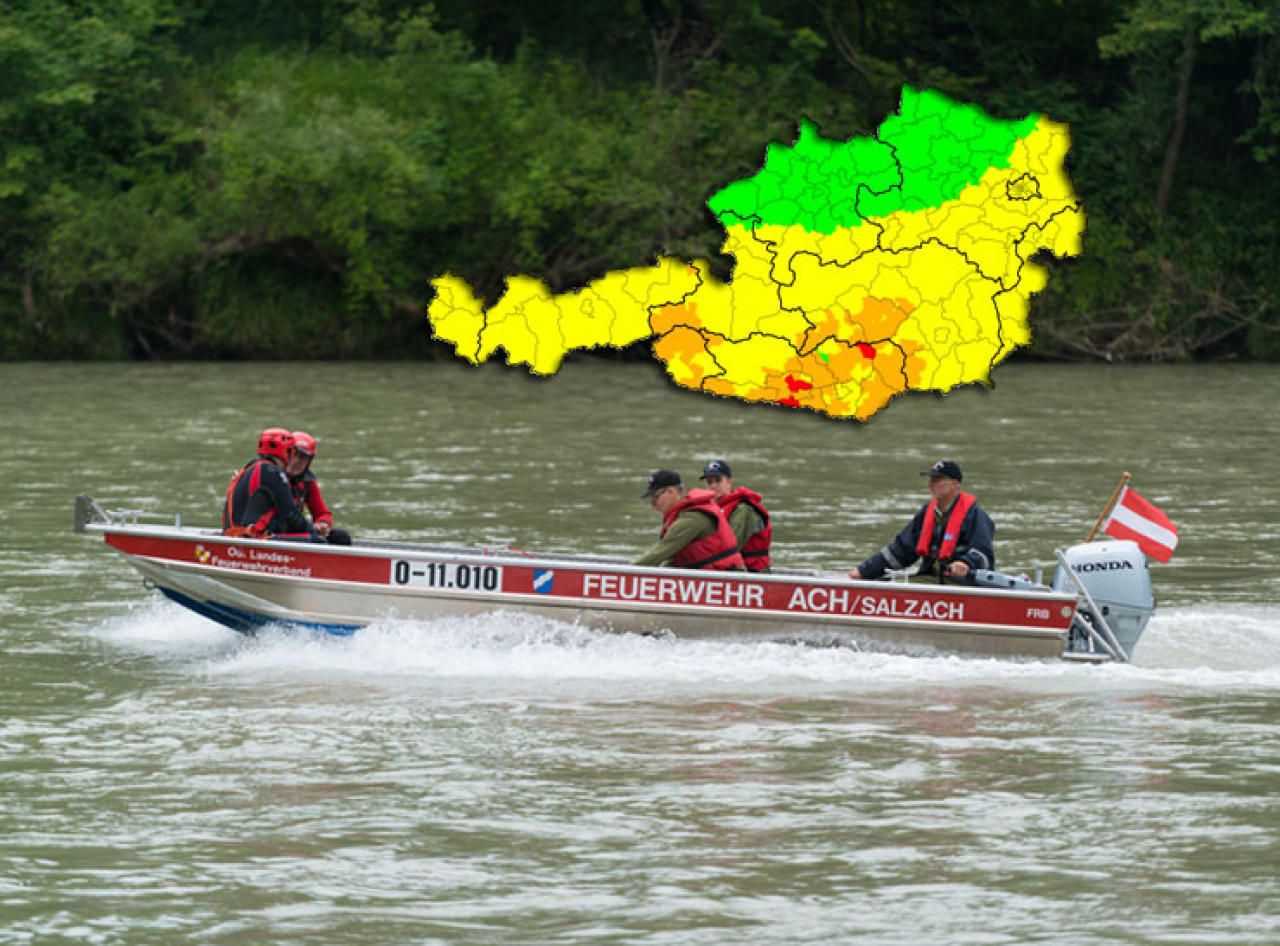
(716, 468)
(660, 479)
(948, 468)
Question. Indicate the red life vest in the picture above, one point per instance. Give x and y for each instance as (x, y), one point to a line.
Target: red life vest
(717, 551)
(950, 534)
(252, 530)
(755, 551)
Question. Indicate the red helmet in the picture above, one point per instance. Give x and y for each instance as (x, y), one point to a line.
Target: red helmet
(275, 442)
(303, 442)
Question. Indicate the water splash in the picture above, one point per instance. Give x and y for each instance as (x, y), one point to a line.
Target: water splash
(1205, 647)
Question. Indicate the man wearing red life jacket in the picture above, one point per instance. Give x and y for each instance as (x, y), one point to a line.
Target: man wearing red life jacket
(695, 532)
(306, 489)
(951, 534)
(259, 503)
(746, 514)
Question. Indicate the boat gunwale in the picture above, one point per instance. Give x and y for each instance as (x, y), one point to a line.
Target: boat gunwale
(527, 560)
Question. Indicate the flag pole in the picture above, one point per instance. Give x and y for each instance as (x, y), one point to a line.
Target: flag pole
(1111, 504)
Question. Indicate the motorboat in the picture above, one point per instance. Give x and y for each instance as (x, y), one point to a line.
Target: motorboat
(1095, 609)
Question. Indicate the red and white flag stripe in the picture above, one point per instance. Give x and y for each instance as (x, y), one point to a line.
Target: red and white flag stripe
(1135, 518)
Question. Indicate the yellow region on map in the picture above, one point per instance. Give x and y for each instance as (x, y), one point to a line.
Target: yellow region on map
(538, 328)
(922, 288)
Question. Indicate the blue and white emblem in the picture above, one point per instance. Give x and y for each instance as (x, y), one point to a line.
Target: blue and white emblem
(543, 578)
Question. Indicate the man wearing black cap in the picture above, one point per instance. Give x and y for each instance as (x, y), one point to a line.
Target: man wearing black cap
(951, 534)
(747, 516)
(695, 532)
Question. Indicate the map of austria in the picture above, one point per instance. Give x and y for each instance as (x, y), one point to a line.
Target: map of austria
(862, 269)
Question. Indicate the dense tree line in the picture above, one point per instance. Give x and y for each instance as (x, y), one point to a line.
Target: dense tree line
(228, 178)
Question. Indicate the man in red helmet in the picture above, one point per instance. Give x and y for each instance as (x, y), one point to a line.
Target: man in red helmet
(259, 503)
(306, 489)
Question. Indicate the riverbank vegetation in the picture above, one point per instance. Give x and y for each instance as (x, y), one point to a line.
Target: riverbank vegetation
(188, 178)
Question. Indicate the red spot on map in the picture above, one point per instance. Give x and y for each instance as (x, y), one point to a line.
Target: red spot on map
(867, 351)
(796, 384)
(789, 402)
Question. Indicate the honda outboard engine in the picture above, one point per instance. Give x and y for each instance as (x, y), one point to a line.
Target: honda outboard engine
(1116, 577)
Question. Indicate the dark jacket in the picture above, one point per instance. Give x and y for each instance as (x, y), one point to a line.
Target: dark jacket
(306, 495)
(259, 502)
(974, 546)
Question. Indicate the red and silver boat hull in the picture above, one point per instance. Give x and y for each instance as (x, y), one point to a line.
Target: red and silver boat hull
(247, 583)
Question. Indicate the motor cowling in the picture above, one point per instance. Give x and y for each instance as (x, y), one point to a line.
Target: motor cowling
(1116, 576)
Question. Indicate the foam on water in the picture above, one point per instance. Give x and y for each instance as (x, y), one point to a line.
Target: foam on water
(1201, 648)
(165, 629)
(1217, 638)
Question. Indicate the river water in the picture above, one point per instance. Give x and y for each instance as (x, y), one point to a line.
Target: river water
(502, 780)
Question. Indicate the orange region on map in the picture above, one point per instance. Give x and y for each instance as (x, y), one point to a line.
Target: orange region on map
(845, 366)
(915, 276)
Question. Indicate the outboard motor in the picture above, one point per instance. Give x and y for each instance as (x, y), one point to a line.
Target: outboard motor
(1115, 575)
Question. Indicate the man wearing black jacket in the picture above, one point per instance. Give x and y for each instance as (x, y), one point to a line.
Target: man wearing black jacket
(259, 502)
(951, 534)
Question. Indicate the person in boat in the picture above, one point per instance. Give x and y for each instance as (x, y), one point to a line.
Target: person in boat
(746, 513)
(951, 535)
(306, 489)
(695, 532)
(259, 503)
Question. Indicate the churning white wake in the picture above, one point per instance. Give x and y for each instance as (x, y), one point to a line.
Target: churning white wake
(1206, 647)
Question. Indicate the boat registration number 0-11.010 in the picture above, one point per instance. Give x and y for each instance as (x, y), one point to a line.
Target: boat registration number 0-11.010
(453, 575)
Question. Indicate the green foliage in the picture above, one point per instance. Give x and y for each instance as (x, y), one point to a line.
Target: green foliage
(1149, 24)
(235, 179)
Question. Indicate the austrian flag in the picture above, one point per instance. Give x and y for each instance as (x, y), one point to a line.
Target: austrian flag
(1135, 518)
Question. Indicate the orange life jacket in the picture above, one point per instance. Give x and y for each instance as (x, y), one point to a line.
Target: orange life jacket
(950, 534)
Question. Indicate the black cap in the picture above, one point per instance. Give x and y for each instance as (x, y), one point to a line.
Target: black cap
(949, 468)
(716, 468)
(660, 479)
